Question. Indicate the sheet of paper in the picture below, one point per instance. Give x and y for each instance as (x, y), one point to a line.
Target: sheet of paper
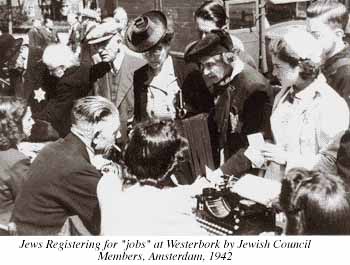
(255, 157)
(257, 189)
(256, 141)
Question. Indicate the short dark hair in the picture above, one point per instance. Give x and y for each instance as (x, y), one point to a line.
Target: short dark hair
(154, 150)
(334, 14)
(213, 11)
(315, 203)
(12, 111)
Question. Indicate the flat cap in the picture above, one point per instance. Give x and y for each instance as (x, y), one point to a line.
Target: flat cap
(87, 12)
(102, 32)
(214, 43)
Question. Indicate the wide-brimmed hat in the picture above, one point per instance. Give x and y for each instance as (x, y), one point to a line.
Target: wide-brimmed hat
(146, 31)
(102, 32)
(9, 46)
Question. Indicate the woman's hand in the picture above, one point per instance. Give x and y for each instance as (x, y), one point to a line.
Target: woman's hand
(274, 153)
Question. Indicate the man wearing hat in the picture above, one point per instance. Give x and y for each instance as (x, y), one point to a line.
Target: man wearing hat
(242, 96)
(117, 84)
(88, 22)
(155, 84)
(9, 47)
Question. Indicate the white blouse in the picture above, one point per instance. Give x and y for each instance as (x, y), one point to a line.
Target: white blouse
(303, 128)
(145, 210)
(161, 93)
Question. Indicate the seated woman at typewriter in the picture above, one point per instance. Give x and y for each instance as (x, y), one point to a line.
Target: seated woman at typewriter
(315, 203)
(154, 204)
(16, 124)
(307, 113)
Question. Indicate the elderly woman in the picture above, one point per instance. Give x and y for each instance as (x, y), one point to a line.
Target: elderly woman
(65, 82)
(16, 123)
(154, 205)
(315, 203)
(155, 84)
(307, 112)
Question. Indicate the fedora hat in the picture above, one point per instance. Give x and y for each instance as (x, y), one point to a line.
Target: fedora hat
(9, 46)
(146, 31)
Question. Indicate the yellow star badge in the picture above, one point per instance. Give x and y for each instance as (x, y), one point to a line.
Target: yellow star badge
(39, 95)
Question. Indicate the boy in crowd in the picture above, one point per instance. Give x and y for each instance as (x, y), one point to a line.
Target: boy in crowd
(327, 21)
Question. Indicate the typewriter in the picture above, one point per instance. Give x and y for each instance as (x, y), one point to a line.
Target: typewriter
(222, 212)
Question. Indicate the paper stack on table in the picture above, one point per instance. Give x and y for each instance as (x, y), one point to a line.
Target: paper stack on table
(257, 189)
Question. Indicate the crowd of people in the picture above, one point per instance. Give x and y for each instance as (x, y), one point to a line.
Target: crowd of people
(111, 102)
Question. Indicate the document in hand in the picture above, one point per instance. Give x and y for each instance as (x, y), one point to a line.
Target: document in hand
(256, 141)
(257, 189)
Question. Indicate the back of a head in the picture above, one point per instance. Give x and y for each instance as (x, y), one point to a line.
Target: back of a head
(315, 203)
(213, 11)
(12, 110)
(331, 12)
(153, 150)
(59, 55)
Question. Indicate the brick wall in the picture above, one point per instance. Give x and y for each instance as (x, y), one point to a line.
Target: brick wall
(182, 11)
(136, 7)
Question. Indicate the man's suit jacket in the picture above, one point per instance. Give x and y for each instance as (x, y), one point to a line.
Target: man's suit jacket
(119, 89)
(61, 183)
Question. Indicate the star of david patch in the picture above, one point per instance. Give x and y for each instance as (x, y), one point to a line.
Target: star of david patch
(39, 95)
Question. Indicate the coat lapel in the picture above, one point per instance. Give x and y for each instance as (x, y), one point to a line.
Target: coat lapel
(125, 76)
(279, 97)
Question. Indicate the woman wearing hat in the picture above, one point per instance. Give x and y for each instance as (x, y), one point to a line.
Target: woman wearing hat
(155, 84)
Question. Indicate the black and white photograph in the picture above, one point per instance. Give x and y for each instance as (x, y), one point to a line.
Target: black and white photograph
(175, 118)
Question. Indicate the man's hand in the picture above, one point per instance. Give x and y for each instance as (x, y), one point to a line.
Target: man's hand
(274, 153)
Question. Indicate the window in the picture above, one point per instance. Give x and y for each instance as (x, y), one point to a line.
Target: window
(241, 14)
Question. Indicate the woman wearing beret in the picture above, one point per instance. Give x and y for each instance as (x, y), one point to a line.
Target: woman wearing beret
(306, 115)
(155, 84)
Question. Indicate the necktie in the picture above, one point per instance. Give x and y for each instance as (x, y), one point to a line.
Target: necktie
(290, 96)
